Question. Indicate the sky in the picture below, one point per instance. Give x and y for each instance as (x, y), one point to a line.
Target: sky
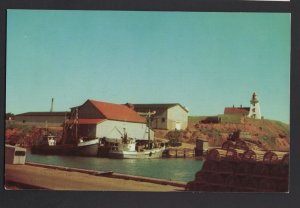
(205, 61)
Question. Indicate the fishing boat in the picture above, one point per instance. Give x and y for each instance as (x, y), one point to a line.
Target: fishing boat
(70, 144)
(130, 148)
(47, 144)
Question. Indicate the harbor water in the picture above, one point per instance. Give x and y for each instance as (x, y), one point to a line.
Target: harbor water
(175, 169)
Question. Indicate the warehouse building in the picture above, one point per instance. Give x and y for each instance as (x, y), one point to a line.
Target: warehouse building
(169, 116)
(51, 119)
(97, 119)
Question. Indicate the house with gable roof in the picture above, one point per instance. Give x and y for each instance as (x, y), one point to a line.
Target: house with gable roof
(97, 119)
(168, 116)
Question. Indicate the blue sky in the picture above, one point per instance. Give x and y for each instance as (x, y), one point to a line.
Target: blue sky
(205, 61)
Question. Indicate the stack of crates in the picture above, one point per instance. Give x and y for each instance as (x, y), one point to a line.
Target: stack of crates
(229, 174)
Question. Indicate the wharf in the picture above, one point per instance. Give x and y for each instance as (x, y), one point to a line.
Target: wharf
(62, 178)
(179, 152)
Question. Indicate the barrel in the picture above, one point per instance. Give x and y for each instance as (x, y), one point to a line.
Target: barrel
(249, 155)
(228, 145)
(270, 157)
(210, 166)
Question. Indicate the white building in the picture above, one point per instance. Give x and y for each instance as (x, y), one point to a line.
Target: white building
(169, 116)
(96, 119)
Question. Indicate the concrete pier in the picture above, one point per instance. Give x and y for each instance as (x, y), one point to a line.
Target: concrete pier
(58, 178)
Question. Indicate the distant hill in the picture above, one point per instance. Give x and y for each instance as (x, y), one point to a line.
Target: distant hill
(264, 134)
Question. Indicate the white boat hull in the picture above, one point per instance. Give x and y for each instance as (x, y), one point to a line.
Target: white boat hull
(153, 153)
(88, 148)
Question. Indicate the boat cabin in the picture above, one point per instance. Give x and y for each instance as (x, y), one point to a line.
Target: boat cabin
(49, 140)
(129, 145)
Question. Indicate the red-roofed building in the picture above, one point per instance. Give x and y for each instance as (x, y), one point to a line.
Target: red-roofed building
(237, 110)
(96, 119)
(117, 112)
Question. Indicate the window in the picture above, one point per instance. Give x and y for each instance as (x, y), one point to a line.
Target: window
(20, 153)
(163, 120)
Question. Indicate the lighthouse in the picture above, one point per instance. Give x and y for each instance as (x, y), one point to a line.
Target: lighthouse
(254, 108)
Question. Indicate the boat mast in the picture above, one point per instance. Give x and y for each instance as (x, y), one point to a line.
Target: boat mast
(76, 124)
(64, 129)
(46, 126)
(148, 119)
(149, 114)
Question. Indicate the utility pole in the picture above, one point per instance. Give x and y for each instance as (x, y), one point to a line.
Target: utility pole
(148, 116)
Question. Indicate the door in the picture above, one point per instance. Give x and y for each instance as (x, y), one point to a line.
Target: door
(178, 126)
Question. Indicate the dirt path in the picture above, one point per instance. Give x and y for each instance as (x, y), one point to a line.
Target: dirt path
(64, 180)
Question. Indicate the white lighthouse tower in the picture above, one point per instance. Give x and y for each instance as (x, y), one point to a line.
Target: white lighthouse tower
(254, 108)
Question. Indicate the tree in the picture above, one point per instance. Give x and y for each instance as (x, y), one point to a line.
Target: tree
(9, 116)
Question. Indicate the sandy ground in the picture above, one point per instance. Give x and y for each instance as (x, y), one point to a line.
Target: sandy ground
(64, 180)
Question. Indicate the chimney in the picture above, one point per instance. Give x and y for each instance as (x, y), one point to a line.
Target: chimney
(241, 106)
(52, 101)
(130, 105)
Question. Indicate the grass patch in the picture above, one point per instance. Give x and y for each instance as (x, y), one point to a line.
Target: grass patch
(235, 119)
(225, 118)
(196, 119)
(282, 125)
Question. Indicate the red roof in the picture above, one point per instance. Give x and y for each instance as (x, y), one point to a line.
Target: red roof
(236, 110)
(118, 112)
(86, 121)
